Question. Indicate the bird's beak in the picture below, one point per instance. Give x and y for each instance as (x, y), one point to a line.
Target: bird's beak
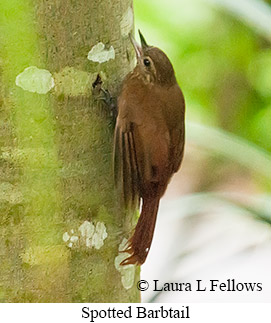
(144, 44)
(137, 47)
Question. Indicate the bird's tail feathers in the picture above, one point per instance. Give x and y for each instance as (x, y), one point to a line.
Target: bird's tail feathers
(140, 243)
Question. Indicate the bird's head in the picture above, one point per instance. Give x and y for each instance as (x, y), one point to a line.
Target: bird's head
(152, 63)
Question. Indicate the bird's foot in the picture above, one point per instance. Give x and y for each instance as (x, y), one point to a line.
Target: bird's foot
(133, 259)
(104, 95)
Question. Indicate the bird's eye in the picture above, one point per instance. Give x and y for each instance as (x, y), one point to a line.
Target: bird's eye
(147, 62)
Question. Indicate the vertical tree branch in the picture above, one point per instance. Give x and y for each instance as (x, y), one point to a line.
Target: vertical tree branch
(62, 223)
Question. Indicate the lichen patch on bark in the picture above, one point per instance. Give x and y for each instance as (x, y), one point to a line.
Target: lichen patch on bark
(87, 235)
(36, 80)
(100, 54)
(127, 272)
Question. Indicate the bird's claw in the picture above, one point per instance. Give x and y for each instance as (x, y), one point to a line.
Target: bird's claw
(105, 96)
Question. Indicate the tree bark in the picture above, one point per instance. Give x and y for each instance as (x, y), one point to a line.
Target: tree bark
(61, 222)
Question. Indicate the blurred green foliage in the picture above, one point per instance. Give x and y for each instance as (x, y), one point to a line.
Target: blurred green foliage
(222, 60)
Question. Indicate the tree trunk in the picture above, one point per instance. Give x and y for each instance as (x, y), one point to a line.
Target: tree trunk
(61, 222)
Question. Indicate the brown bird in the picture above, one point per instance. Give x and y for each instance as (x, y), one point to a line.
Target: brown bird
(149, 140)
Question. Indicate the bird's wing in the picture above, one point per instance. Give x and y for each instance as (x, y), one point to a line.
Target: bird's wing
(176, 112)
(126, 170)
(177, 148)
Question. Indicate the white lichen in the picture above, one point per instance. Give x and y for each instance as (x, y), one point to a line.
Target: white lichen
(127, 22)
(88, 242)
(74, 239)
(66, 237)
(128, 277)
(70, 239)
(36, 80)
(128, 271)
(86, 229)
(99, 54)
(88, 235)
(99, 236)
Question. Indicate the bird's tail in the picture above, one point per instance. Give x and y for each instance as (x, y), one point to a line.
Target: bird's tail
(140, 243)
